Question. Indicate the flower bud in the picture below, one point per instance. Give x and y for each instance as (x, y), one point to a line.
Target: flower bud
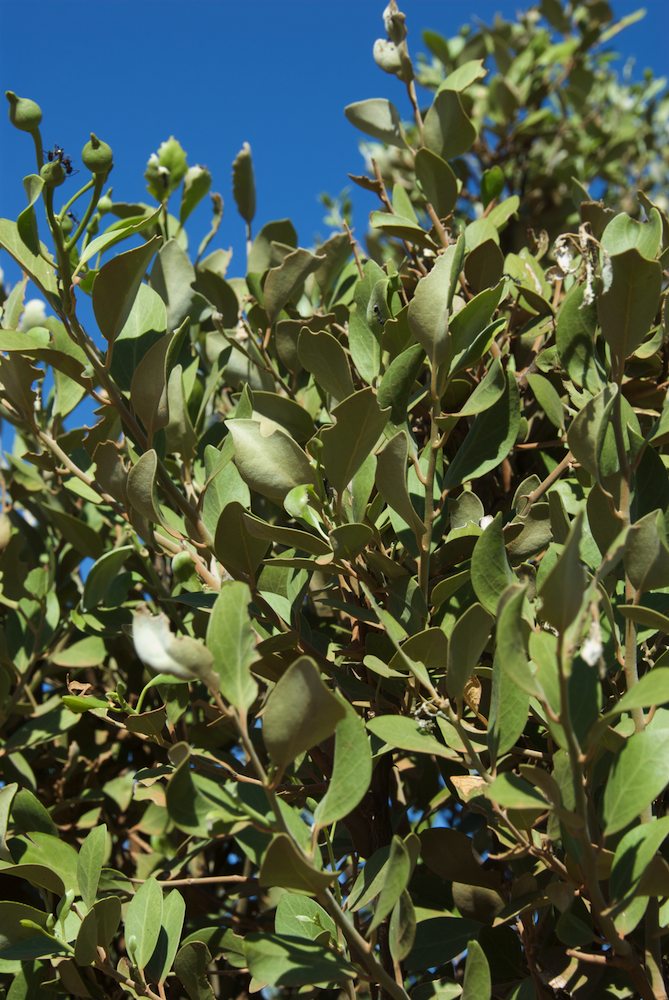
(24, 114)
(387, 56)
(394, 21)
(5, 531)
(97, 156)
(53, 173)
(182, 565)
(105, 203)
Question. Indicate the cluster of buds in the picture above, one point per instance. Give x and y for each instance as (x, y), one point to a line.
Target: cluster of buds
(26, 115)
(391, 54)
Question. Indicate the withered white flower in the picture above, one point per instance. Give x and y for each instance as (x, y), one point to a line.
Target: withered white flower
(34, 314)
(160, 650)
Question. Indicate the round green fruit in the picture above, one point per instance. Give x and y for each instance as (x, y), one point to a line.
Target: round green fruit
(97, 156)
(24, 114)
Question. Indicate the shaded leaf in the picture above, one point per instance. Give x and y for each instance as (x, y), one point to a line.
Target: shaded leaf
(300, 712)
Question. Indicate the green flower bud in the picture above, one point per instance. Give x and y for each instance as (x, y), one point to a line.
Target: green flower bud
(182, 565)
(23, 113)
(53, 173)
(5, 531)
(105, 204)
(387, 56)
(97, 156)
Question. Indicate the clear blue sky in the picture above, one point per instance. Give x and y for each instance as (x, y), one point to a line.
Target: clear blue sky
(218, 72)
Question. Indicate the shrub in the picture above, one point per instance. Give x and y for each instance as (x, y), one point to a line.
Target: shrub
(335, 596)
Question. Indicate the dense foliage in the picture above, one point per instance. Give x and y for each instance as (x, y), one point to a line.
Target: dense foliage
(334, 597)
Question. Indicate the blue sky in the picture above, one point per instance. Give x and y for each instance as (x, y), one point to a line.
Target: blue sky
(216, 73)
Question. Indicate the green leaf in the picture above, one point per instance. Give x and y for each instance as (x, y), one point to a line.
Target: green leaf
(477, 984)
(268, 459)
(231, 640)
(196, 185)
(116, 287)
(624, 233)
(487, 392)
(294, 538)
(25, 341)
(402, 927)
(440, 940)
(141, 487)
(647, 617)
(102, 575)
(398, 382)
(97, 929)
(437, 180)
(575, 339)
(428, 314)
(509, 703)
(511, 642)
(364, 337)
(346, 445)
(42, 273)
(172, 276)
(468, 326)
(7, 794)
(118, 231)
(277, 960)
(489, 440)
(397, 871)
(647, 553)
(180, 436)
(563, 588)
(378, 118)
(450, 855)
(548, 399)
(466, 643)
(174, 911)
(463, 76)
(512, 792)
(588, 429)
(322, 355)
(300, 712)
(89, 863)
(55, 856)
(143, 920)
(234, 545)
(391, 481)
(634, 853)
(448, 129)
(401, 228)
(298, 916)
(639, 773)
(243, 184)
(490, 569)
(20, 936)
(284, 281)
(402, 733)
(651, 690)
(285, 866)
(26, 222)
(351, 771)
(627, 310)
(191, 966)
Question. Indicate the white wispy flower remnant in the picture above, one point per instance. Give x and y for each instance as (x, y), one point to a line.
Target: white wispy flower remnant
(34, 314)
(165, 653)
